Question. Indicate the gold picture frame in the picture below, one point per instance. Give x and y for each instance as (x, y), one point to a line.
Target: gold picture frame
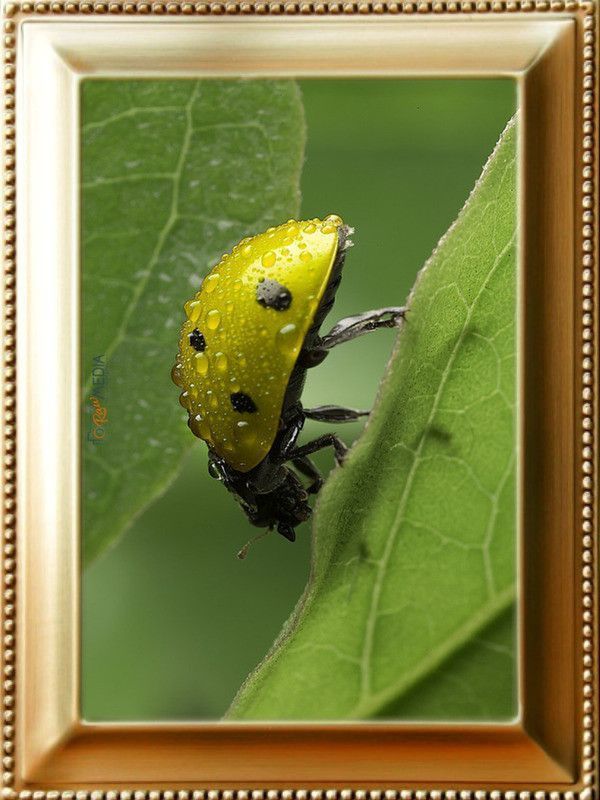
(548, 47)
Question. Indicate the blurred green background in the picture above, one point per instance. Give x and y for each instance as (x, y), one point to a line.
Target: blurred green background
(172, 621)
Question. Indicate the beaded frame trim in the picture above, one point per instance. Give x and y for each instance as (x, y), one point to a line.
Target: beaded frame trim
(589, 11)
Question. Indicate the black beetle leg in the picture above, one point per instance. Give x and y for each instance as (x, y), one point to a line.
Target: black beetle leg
(286, 530)
(327, 440)
(304, 465)
(351, 327)
(286, 439)
(334, 414)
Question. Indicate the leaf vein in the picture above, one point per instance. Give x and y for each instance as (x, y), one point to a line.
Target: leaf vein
(381, 571)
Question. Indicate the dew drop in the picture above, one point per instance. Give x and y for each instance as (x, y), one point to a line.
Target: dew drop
(221, 362)
(192, 309)
(247, 250)
(310, 228)
(213, 319)
(210, 283)
(269, 258)
(305, 256)
(201, 363)
(244, 433)
(287, 338)
(201, 428)
(176, 374)
(184, 400)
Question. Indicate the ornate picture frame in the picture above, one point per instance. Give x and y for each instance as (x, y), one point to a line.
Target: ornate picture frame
(548, 47)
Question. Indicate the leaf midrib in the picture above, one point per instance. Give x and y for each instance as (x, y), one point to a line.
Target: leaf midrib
(382, 563)
(163, 235)
(460, 637)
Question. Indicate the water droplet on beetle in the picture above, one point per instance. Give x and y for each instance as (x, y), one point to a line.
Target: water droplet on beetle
(287, 338)
(184, 400)
(210, 283)
(192, 309)
(269, 258)
(244, 433)
(201, 363)
(305, 256)
(200, 427)
(213, 319)
(221, 362)
(176, 374)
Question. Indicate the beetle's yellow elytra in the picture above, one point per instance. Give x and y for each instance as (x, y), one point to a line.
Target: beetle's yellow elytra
(243, 332)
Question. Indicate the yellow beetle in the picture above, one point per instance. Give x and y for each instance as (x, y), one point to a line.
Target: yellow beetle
(250, 334)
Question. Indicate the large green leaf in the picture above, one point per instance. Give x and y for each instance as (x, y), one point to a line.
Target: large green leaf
(410, 600)
(173, 174)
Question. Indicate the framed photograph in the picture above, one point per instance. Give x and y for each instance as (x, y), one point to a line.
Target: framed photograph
(300, 324)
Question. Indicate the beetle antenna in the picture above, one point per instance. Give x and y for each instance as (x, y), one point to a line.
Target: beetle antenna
(244, 551)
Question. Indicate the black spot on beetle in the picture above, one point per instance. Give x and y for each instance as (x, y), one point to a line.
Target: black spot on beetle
(271, 294)
(197, 340)
(243, 403)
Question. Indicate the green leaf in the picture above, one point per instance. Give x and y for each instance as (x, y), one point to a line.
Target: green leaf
(173, 174)
(409, 609)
